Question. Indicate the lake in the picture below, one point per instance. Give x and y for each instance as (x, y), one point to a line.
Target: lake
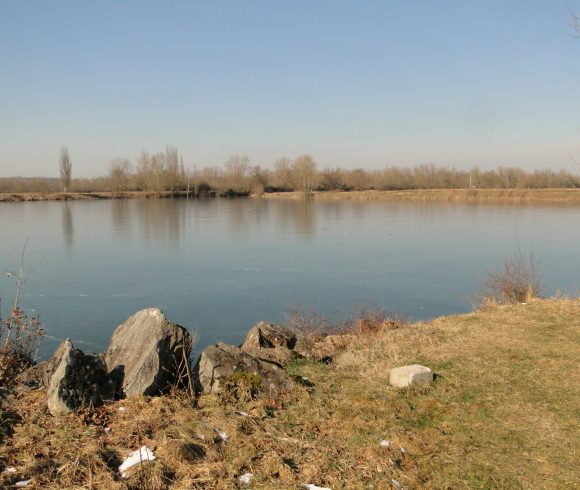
(219, 266)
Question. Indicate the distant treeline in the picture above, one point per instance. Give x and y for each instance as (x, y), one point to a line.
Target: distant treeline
(166, 172)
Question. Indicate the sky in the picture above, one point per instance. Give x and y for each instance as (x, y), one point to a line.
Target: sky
(353, 83)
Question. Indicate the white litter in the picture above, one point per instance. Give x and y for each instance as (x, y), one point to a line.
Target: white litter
(122, 409)
(136, 457)
(310, 486)
(304, 378)
(23, 483)
(396, 484)
(222, 435)
(246, 478)
(107, 430)
(402, 449)
(10, 469)
(243, 414)
(385, 443)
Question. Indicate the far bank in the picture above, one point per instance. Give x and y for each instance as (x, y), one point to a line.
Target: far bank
(511, 196)
(514, 196)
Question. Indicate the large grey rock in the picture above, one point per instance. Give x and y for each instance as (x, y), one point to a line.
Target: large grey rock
(77, 380)
(414, 374)
(218, 362)
(147, 353)
(270, 342)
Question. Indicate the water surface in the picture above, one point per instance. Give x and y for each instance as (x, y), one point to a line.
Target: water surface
(219, 266)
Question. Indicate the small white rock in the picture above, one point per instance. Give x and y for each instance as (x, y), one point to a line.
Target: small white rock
(415, 374)
(122, 409)
(402, 449)
(385, 443)
(243, 414)
(310, 486)
(23, 483)
(396, 484)
(10, 470)
(246, 478)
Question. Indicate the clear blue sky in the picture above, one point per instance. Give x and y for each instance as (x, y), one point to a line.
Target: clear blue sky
(355, 84)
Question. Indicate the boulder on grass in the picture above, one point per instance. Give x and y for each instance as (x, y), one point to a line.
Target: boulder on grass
(270, 342)
(77, 380)
(414, 374)
(218, 362)
(148, 354)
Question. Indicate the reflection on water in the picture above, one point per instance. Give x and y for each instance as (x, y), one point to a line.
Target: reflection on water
(68, 231)
(219, 266)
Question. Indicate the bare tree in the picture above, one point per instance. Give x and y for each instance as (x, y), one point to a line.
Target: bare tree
(119, 174)
(237, 169)
(282, 174)
(304, 173)
(65, 169)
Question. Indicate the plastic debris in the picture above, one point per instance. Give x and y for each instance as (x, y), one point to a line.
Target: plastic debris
(243, 414)
(107, 430)
(23, 483)
(246, 478)
(222, 435)
(310, 486)
(402, 449)
(122, 409)
(136, 457)
(385, 443)
(396, 484)
(10, 470)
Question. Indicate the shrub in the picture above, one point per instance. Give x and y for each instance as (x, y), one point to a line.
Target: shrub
(517, 282)
(19, 334)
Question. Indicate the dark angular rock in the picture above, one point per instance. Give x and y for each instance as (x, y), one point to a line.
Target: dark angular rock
(77, 380)
(218, 362)
(147, 353)
(270, 342)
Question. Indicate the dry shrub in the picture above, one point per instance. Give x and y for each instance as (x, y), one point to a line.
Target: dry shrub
(309, 325)
(371, 321)
(19, 334)
(517, 282)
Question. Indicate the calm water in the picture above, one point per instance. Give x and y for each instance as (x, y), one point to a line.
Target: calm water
(219, 266)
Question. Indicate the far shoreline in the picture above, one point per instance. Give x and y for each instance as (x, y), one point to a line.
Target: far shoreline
(511, 196)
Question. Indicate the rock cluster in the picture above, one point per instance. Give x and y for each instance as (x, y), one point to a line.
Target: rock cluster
(148, 355)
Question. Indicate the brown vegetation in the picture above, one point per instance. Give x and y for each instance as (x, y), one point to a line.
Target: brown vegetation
(166, 172)
(502, 413)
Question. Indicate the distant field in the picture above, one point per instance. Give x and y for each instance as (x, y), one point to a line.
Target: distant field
(488, 195)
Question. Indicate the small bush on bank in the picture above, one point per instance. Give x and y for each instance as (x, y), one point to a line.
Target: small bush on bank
(19, 334)
(517, 282)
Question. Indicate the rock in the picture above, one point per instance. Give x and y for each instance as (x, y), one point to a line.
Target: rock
(218, 362)
(79, 380)
(271, 343)
(147, 353)
(411, 375)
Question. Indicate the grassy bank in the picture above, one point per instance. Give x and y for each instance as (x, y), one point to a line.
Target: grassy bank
(562, 196)
(571, 196)
(502, 413)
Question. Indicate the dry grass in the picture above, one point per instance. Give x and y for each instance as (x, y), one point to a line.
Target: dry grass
(502, 413)
(517, 196)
